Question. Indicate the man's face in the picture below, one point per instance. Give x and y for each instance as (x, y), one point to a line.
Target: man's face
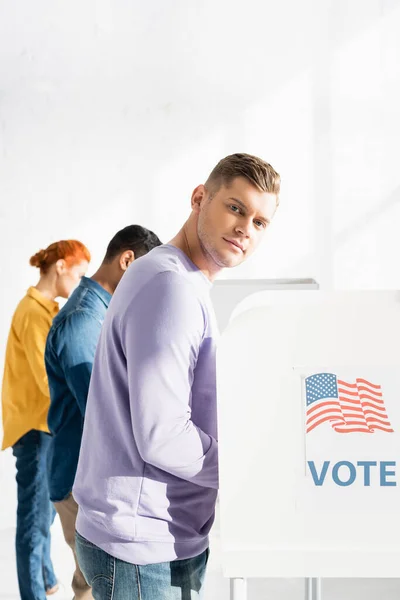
(233, 222)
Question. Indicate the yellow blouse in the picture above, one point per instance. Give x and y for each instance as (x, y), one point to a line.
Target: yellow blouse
(25, 393)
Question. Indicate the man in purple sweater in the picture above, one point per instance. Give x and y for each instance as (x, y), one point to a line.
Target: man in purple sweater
(147, 477)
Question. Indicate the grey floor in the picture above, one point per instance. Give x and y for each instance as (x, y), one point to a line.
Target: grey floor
(217, 587)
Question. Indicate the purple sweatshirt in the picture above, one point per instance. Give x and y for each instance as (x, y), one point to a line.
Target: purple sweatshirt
(147, 477)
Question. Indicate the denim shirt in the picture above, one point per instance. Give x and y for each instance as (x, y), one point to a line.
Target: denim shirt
(69, 356)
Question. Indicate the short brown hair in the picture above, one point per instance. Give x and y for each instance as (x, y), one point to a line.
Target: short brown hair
(254, 169)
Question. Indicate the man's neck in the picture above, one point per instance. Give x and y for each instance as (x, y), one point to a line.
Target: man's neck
(103, 277)
(188, 241)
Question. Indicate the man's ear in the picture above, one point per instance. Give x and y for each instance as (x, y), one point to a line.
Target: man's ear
(126, 259)
(198, 197)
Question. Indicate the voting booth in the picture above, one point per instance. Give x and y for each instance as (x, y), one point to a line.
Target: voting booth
(309, 436)
(227, 294)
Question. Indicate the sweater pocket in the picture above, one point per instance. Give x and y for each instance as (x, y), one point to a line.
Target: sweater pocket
(173, 509)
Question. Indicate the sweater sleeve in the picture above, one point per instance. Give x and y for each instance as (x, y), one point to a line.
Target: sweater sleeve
(162, 331)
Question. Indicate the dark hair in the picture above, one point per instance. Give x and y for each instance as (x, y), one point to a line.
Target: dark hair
(72, 251)
(254, 169)
(133, 237)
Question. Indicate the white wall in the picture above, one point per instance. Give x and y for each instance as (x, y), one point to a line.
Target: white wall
(111, 112)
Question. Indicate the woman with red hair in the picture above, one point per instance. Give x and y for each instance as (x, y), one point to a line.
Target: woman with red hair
(25, 399)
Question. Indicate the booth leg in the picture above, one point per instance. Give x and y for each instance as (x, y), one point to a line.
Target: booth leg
(238, 589)
(313, 588)
(308, 590)
(318, 592)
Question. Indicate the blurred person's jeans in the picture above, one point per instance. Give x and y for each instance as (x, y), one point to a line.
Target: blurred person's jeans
(35, 514)
(114, 578)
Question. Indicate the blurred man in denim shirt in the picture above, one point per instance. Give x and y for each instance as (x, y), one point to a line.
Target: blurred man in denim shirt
(70, 350)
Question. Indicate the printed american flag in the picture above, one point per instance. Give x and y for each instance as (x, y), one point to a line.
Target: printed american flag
(349, 407)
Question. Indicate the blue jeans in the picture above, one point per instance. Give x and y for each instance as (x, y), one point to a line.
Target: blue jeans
(115, 579)
(35, 514)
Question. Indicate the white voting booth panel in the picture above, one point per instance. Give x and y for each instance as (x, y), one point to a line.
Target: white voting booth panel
(226, 294)
(309, 435)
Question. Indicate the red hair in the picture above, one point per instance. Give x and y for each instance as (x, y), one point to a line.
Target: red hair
(72, 251)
